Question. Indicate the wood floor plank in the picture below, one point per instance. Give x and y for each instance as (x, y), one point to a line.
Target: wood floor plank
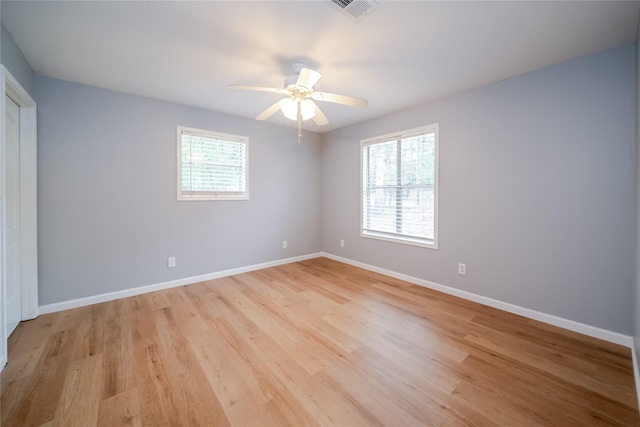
(142, 325)
(282, 330)
(558, 364)
(312, 343)
(192, 394)
(121, 410)
(382, 393)
(32, 333)
(12, 411)
(525, 391)
(398, 351)
(118, 370)
(188, 318)
(40, 400)
(81, 388)
(323, 392)
(491, 403)
(289, 412)
(224, 372)
(254, 373)
(90, 332)
(118, 308)
(25, 366)
(300, 387)
(153, 385)
(345, 342)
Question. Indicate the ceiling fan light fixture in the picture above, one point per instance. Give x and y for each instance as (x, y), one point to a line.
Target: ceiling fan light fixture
(299, 95)
(289, 108)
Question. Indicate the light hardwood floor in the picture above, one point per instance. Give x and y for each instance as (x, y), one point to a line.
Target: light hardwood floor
(312, 343)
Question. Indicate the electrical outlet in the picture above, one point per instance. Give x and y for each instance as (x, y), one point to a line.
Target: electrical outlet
(342, 243)
(462, 269)
(284, 244)
(171, 262)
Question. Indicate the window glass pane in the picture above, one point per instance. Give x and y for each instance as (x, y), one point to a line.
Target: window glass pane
(399, 188)
(212, 166)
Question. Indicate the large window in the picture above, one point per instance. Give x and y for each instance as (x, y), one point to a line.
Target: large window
(400, 187)
(212, 166)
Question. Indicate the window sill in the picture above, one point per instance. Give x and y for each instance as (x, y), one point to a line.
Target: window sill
(423, 243)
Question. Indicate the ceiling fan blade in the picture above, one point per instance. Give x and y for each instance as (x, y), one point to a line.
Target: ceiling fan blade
(340, 99)
(320, 119)
(308, 78)
(259, 88)
(270, 111)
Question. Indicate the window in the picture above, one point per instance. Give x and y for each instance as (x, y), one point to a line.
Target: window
(212, 166)
(400, 187)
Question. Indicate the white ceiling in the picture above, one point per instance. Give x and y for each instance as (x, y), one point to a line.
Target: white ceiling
(401, 55)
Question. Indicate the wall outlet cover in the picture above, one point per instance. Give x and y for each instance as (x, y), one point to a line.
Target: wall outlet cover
(462, 269)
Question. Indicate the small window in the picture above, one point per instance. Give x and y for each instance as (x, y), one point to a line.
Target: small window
(212, 166)
(400, 187)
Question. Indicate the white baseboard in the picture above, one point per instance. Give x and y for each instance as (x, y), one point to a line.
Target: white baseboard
(81, 302)
(571, 325)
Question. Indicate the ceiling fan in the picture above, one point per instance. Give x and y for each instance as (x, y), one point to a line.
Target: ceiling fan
(298, 104)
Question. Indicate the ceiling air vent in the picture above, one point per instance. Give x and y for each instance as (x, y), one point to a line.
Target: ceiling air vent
(355, 9)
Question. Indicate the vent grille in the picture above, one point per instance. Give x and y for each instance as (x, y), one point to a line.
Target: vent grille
(355, 9)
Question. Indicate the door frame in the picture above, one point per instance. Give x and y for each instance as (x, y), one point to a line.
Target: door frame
(9, 86)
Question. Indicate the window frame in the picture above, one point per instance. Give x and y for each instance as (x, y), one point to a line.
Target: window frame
(210, 196)
(406, 240)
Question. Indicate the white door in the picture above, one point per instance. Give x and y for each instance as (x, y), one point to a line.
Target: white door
(13, 304)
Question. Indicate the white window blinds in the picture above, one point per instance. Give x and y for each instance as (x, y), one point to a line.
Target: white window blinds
(399, 187)
(212, 166)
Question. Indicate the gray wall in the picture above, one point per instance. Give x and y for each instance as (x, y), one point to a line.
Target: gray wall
(536, 191)
(12, 58)
(108, 216)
